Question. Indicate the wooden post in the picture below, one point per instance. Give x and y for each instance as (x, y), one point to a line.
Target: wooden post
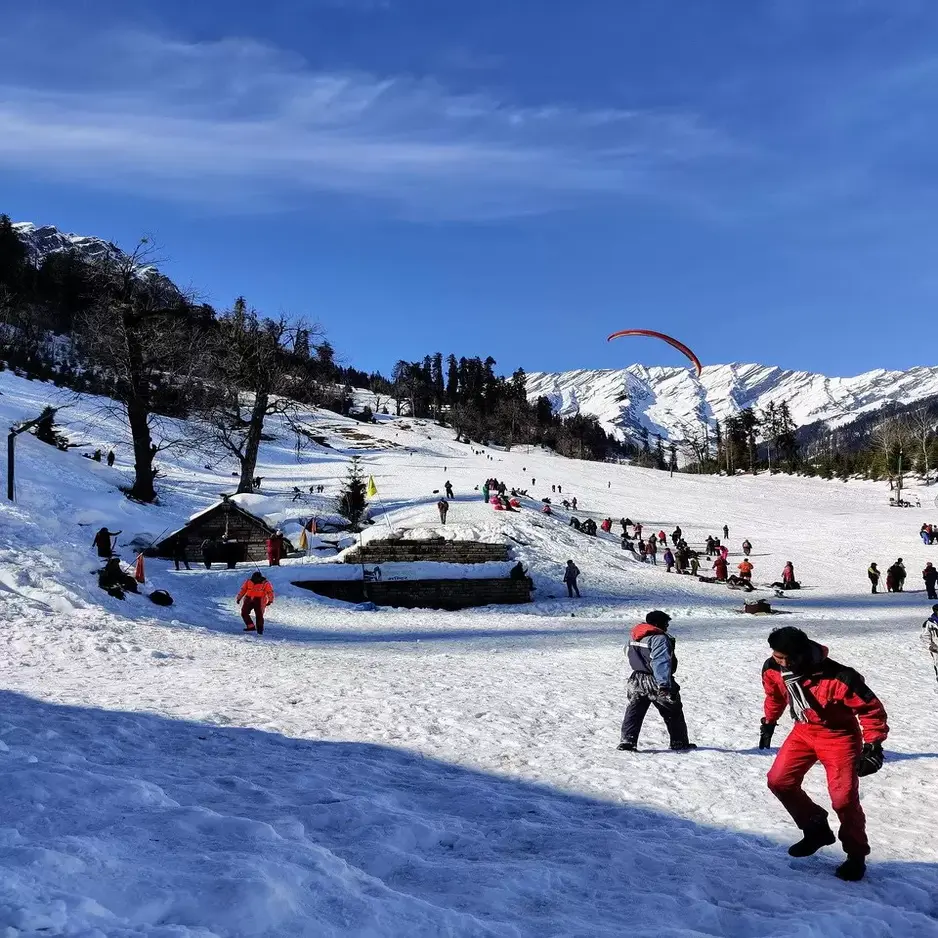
(11, 463)
(11, 451)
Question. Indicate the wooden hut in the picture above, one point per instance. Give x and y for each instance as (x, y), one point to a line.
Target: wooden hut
(239, 535)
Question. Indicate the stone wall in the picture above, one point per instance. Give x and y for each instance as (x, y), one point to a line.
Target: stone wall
(426, 594)
(435, 551)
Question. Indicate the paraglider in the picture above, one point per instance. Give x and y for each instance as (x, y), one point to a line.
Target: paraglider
(674, 343)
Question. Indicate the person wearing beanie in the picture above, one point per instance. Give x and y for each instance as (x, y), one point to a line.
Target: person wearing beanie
(651, 655)
(839, 722)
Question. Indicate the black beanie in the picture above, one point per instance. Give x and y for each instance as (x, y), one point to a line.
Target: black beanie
(658, 618)
(789, 641)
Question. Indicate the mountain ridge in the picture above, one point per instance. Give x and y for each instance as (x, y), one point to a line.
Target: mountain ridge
(674, 402)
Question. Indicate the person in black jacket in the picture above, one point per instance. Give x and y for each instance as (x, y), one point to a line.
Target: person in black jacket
(651, 655)
(570, 575)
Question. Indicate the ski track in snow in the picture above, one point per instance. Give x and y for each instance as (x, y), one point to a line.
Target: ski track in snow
(394, 772)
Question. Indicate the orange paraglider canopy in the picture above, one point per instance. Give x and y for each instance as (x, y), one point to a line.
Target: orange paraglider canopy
(680, 346)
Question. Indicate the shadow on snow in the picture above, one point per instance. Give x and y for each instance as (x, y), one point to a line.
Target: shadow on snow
(139, 821)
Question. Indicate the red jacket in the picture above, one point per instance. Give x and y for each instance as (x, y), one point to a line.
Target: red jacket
(262, 591)
(838, 696)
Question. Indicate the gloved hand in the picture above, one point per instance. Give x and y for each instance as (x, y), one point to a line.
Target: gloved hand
(765, 734)
(871, 759)
(664, 696)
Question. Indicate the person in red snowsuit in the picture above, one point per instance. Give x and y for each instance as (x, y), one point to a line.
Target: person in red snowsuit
(840, 723)
(257, 594)
(274, 549)
(719, 569)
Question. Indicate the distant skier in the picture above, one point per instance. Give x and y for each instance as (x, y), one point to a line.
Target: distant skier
(662, 538)
(653, 551)
(573, 502)
(745, 571)
(485, 492)
(606, 525)
(448, 488)
(747, 547)
(533, 483)
(110, 458)
(643, 550)
(874, 574)
(668, 559)
(930, 634)
(676, 535)
(694, 563)
(726, 533)
(711, 546)
(257, 594)
(930, 576)
(723, 551)
(102, 542)
(788, 577)
(443, 507)
(840, 723)
(570, 575)
(651, 656)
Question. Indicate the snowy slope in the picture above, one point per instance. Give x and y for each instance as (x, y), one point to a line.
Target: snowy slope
(421, 773)
(671, 401)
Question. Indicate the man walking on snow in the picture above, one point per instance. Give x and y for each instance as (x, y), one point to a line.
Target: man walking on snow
(840, 723)
(651, 655)
(257, 594)
(443, 507)
(570, 575)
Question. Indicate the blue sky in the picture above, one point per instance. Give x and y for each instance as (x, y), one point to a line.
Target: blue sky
(502, 177)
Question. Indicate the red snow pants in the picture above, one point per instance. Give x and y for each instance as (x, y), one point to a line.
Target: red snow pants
(837, 751)
(256, 606)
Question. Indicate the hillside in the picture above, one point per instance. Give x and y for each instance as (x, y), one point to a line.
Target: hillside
(417, 773)
(672, 401)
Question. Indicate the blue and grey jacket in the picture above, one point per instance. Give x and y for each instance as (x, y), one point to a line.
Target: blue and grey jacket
(651, 651)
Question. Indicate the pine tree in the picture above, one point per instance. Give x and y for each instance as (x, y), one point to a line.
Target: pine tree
(352, 502)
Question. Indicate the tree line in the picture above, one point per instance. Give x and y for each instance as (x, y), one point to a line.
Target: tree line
(114, 327)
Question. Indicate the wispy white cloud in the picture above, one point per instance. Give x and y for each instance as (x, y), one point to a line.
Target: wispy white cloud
(238, 121)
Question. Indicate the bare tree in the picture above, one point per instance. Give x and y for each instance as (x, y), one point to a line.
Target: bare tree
(254, 377)
(141, 334)
(921, 428)
(890, 439)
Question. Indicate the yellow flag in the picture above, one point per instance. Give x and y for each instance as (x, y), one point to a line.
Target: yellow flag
(372, 489)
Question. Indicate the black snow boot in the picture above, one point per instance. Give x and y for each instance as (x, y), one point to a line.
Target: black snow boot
(683, 746)
(852, 869)
(627, 747)
(260, 630)
(816, 836)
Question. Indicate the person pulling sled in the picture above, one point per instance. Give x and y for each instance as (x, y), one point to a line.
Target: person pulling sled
(257, 594)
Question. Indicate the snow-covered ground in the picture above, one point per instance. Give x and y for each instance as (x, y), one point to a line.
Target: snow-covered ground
(421, 773)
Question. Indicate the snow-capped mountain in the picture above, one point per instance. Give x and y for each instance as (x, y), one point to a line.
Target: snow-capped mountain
(41, 241)
(673, 401)
(47, 239)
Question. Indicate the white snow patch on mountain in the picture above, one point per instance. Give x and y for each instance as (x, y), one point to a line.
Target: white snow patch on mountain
(673, 401)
